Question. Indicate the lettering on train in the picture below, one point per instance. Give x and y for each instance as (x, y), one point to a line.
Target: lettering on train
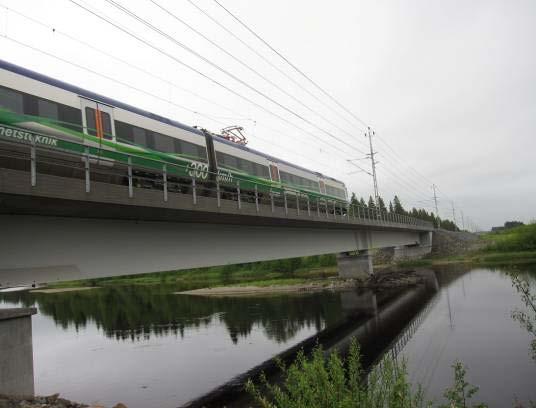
(27, 137)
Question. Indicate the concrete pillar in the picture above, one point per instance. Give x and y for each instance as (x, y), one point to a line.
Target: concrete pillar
(425, 239)
(355, 266)
(16, 355)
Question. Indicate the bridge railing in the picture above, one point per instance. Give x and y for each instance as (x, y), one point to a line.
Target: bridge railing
(137, 171)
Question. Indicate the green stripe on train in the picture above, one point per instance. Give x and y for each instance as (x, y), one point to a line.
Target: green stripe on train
(12, 127)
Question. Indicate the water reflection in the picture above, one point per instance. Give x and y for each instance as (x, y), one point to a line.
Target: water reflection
(145, 346)
(470, 321)
(139, 312)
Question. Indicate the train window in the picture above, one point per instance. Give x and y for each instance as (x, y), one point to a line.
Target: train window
(335, 191)
(244, 165)
(263, 171)
(90, 122)
(123, 132)
(190, 149)
(106, 122)
(163, 143)
(30, 104)
(11, 100)
(47, 109)
(298, 181)
(139, 136)
(70, 117)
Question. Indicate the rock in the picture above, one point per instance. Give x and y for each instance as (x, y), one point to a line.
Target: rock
(51, 399)
(120, 405)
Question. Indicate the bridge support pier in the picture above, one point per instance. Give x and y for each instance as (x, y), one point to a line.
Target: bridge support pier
(424, 247)
(16, 355)
(358, 266)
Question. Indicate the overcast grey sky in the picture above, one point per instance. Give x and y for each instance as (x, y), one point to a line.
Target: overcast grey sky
(449, 86)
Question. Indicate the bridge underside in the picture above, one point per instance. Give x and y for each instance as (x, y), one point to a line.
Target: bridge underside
(44, 249)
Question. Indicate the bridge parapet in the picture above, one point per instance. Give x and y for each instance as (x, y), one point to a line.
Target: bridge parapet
(36, 179)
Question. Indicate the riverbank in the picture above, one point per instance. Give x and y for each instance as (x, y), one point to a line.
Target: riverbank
(391, 279)
(51, 401)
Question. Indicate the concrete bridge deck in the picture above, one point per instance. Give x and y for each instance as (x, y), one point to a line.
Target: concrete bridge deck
(60, 225)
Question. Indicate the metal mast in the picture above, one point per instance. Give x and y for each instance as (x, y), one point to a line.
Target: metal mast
(453, 213)
(369, 134)
(436, 210)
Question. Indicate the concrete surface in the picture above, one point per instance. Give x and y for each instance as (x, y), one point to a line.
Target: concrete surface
(355, 266)
(16, 354)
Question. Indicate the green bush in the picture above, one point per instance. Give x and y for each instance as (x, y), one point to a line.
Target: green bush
(516, 239)
(336, 382)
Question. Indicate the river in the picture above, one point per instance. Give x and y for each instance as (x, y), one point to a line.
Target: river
(147, 347)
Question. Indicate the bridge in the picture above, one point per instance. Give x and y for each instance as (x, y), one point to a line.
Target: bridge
(68, 216)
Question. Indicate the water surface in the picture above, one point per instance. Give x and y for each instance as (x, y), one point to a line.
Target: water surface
(146, 347)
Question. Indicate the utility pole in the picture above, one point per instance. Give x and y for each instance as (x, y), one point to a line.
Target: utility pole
(463, 221)
(369, 134)
(453, 213)
(436, 210)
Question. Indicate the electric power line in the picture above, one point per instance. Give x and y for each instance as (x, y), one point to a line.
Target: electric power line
(292, 65)
(226, 72)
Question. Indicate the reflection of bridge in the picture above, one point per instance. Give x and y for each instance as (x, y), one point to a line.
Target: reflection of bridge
(74, 217)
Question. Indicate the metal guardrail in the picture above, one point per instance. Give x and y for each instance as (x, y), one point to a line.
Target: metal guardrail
(136, 171)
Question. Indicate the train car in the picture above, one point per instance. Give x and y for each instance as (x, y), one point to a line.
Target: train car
(38, 109)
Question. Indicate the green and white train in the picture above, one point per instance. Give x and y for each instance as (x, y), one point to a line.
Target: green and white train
(36, 109)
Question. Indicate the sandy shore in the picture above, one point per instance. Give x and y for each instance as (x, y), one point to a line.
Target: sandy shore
(61, 290)
(263, 290)
(389, 280)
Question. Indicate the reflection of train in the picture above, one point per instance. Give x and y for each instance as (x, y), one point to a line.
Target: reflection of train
(42, 110)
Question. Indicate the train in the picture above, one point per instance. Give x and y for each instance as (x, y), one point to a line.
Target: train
(38, 109)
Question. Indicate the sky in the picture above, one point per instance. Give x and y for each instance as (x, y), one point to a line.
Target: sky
(449, 87)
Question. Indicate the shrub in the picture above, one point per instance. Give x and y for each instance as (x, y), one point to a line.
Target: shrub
(336, 382)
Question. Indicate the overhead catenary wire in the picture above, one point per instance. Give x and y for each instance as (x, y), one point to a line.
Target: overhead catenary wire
(291, 64)
(130, 65)
(271, 64)
(226, 72)
(245, 65)
(212, 80)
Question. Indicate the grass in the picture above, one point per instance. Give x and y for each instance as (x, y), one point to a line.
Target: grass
(336, 382)
(519, 239)
(513, 246)
(268, 273)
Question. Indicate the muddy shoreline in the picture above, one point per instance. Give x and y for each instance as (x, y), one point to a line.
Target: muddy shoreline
(392, 279)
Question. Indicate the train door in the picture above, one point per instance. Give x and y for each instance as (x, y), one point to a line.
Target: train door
(98, 120)
(274, 172)
(322, 186)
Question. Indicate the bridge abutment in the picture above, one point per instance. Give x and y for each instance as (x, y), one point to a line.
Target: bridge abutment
(355, 266)
(16, 355)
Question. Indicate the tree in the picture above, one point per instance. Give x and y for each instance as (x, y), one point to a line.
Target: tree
(353, 200)
(362, 203)
(381, 204)
(397, 206)
(371, 203)
(391, 207)
(512, 224)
